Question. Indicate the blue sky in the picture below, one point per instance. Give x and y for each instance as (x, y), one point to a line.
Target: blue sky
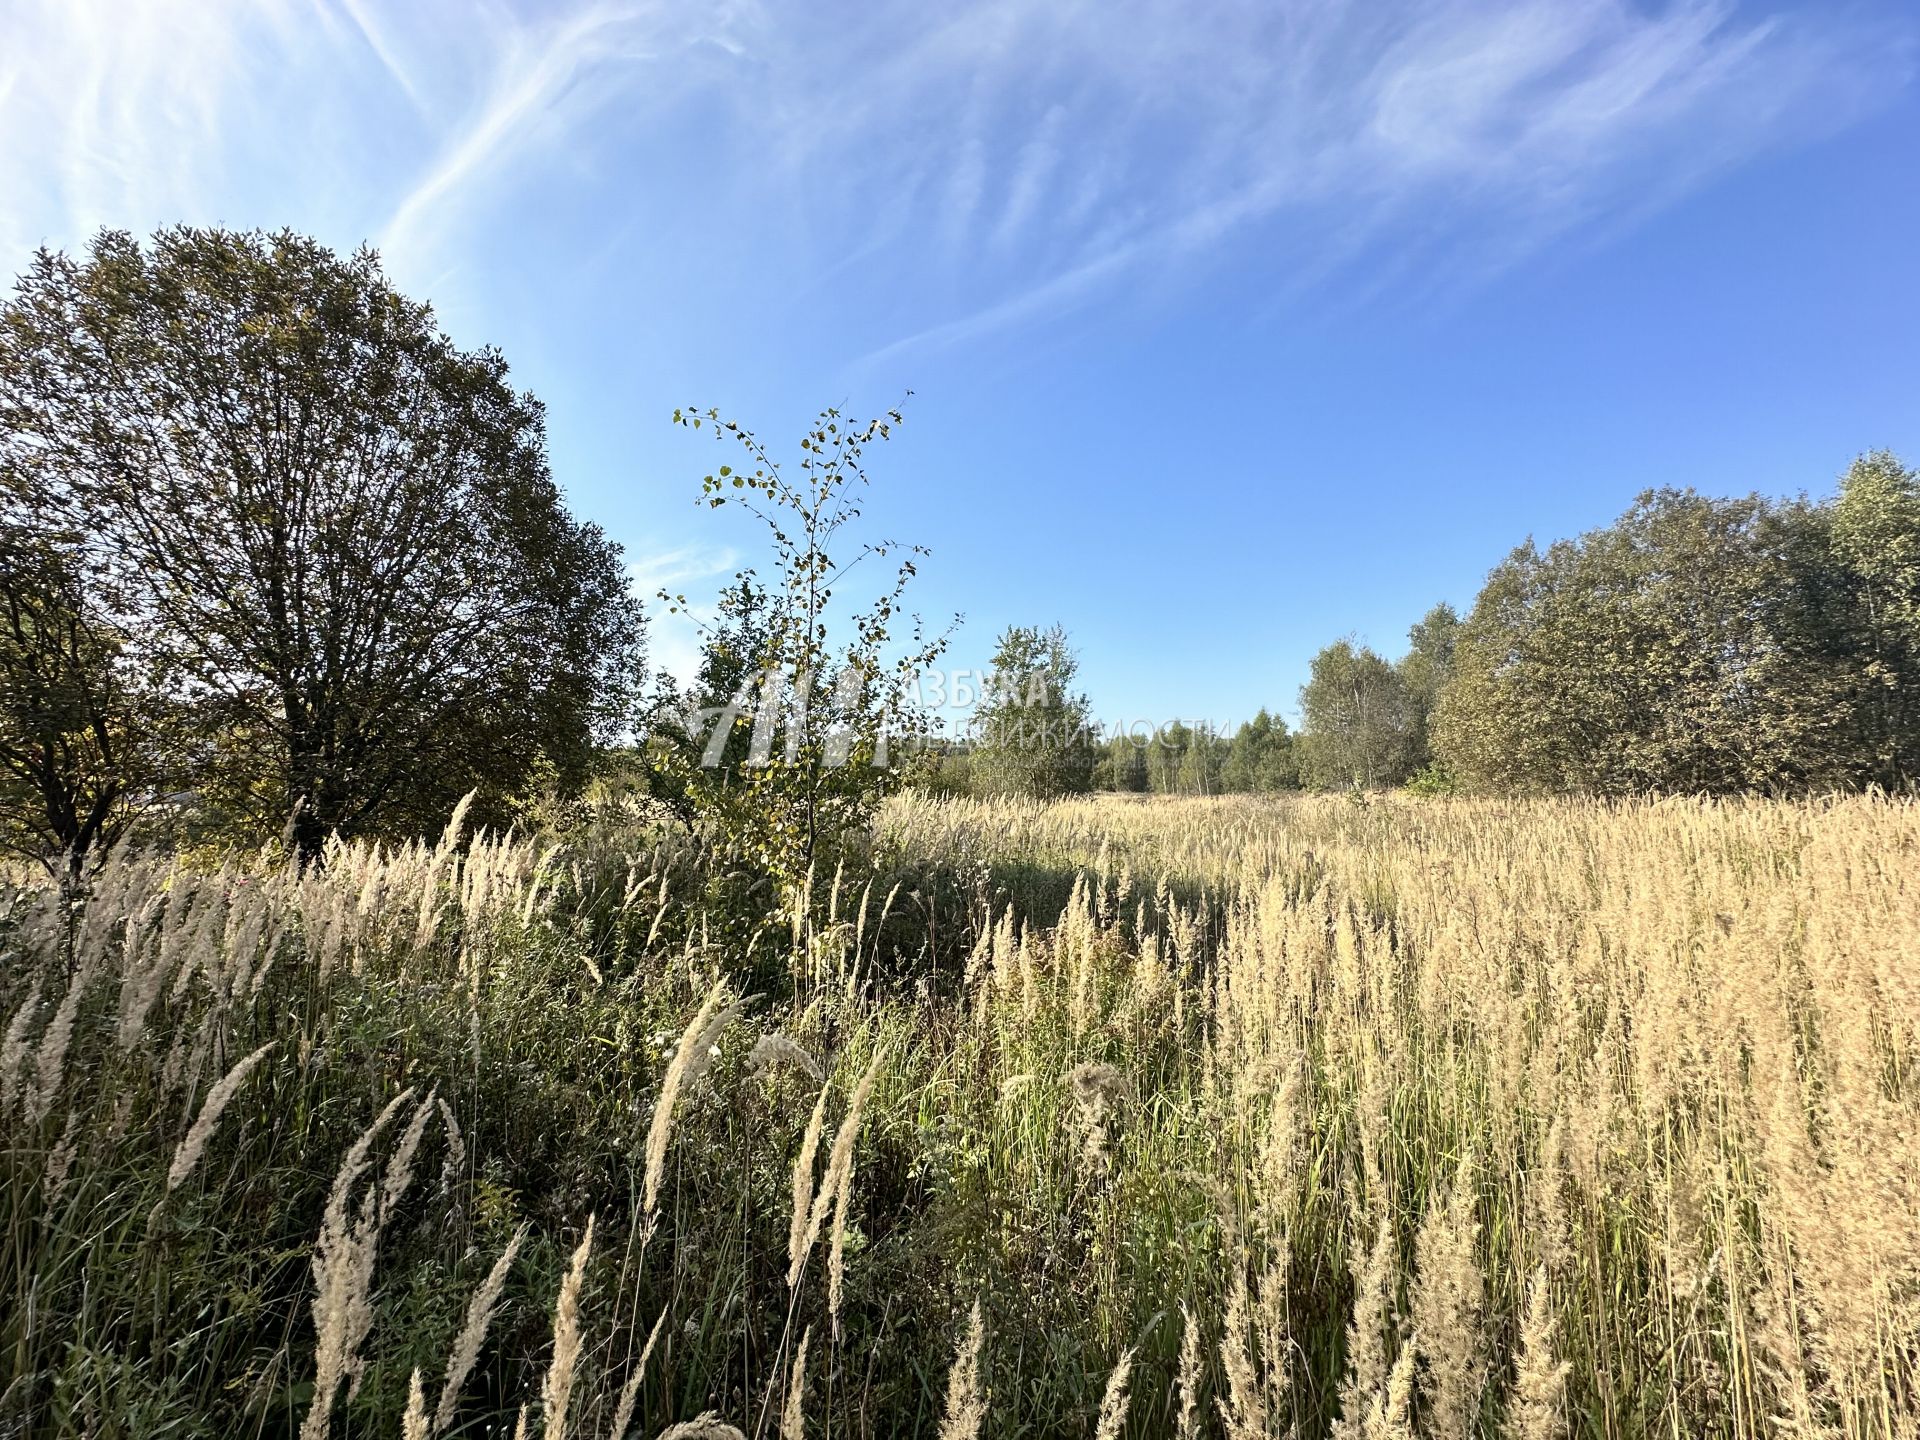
(1232, 328)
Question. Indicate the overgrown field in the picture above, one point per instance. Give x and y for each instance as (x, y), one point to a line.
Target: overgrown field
(1236, 1118)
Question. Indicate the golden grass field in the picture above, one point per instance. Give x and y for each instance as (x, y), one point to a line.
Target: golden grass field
(1232, 1117)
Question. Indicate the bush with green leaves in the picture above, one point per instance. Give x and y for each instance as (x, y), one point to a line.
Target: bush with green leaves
(802, 712)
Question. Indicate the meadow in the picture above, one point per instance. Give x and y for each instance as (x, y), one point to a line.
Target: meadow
(1231, 1117)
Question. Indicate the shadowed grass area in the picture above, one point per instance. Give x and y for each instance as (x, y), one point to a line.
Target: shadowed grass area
(1406, 1118)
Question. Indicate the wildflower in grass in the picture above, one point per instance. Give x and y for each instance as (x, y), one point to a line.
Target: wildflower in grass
(630, 1392)
(413, 1424)
(706, 1426)
(774, 1050)
(399, 1175)
(836, 1185)
(343, 1260)
(1243, 1410)
(1188, 1426)
(839, 1180)
(801, 1230)
(13, 1047)
(1097, 1088)
(1448, 1300)
(1539, 1392)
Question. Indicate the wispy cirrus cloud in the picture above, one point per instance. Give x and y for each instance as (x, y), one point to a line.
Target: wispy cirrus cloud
(540, 80)
(981, 167)
(353, 117)
(685, 564)
(1439, 138)
(237, 112)
(674, 641)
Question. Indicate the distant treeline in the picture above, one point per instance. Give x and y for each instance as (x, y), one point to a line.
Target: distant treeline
(1181, 759)
(1696, 645)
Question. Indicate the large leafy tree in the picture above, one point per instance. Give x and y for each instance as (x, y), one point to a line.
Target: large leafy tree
(1423, 672)
(80, 734)
(1033, 731)
(699, 742)
(1357, 724)
(1261, 757)
(1680, 649)
(1122, 764)
(331, 530)
(1876, 543)
(1183, 759)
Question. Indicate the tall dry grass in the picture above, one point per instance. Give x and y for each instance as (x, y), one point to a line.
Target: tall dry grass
(1236, 1117)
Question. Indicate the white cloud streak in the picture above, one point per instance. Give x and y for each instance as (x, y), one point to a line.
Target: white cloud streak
(533, 78)
(674, 639)
(1426, 136)
(984, 168)
(669, 569)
